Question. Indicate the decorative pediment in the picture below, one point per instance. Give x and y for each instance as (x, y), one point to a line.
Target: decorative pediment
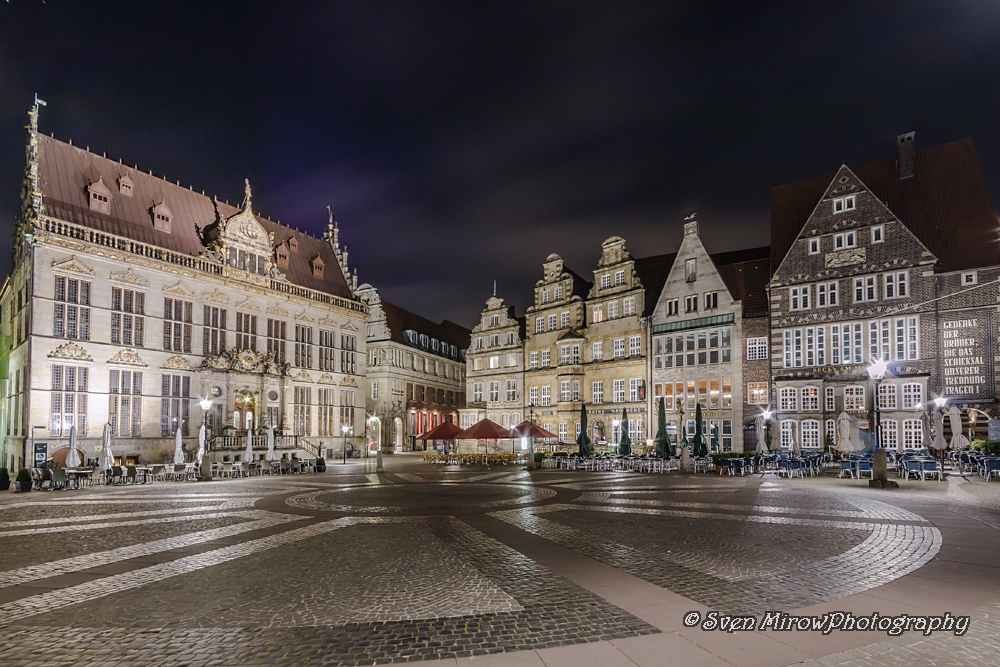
(247, 304)
(245, 361)
(70, 350)
(127, 357)
(348, 326)
(303, 376)
(844, 184)
(326, 378)
(348, 382)
(304, 317)
(494, 303)
(328, 322)
(177, 363)
(71, 265)
(245, 230)
(178, 290)
(215, 296)
(277, 311)
(128, 278)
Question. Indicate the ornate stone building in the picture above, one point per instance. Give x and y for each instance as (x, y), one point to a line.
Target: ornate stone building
(698, 340)
(495, 368)
(131, 298)
(415, 377)
(895, 260)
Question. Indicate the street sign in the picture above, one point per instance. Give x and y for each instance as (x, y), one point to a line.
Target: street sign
(993, 430)
(41, 454)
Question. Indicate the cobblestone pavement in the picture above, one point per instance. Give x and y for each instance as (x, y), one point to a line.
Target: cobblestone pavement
(358, 567)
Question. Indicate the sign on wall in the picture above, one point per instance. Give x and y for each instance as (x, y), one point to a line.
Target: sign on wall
(967, 355)
(41, 454)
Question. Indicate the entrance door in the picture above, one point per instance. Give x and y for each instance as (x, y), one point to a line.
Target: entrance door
(397, 435)
(244, 412)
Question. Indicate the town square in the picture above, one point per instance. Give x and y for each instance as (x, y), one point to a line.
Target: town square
(667, 334)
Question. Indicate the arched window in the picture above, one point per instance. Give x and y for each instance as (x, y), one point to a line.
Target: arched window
(831, 432)
(788, 428)
(889, 437)
(789, 399)
(810, 434)
(854, 397)
(810, 399)
(913, 436)
(913, 396)
(887, 396)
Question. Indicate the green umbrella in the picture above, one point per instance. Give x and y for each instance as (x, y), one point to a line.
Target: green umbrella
(583, 440)
(700, 442)
(663, 447)
(623, 444)
(715, 438)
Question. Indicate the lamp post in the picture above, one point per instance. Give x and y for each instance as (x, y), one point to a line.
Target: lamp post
(344, 429)
(877, 371)
(531, 437)
(614, 425)
(206, 463)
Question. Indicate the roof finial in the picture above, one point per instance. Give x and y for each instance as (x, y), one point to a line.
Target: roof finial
(33, 114)
(248, 197)
(494, 287)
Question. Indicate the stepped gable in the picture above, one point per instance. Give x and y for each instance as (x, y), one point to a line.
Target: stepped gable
(66, 172)
(946, 204)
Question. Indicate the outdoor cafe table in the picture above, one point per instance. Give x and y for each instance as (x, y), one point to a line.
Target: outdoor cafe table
(76, 475)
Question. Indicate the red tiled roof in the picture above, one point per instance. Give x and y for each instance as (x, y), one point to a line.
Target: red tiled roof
(66, 171)
(947, 205)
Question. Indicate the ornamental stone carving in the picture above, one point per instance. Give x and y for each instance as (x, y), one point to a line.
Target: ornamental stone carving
(128, 278)
(127, 357)
(216, 296)
(302, 376)
(71, 265)
(277, 311)
(177, 363)
(326, 378)
(848, 257)
(178, 290)
(348, 382)
(245, 361)
(247, 305)
(70, 350)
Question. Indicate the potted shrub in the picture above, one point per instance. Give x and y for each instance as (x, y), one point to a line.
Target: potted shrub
(23, 481)
(4, 479)
(320, 464)
(539, 457)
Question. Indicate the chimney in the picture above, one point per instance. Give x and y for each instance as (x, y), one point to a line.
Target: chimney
(906, 156)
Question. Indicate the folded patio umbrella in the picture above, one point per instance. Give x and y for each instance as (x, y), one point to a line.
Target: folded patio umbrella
(758, 426)
(248, 452)
(664, 449)
(271, 454)
(584, 440)
(201, 444)
(178, 447)
(939, 443)
(700, 442)
(625, 443)
(958, 439)
(106, 458)
(72, 456)
(845, 445)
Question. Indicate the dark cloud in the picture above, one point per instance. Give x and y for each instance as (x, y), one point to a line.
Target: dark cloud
(461, 143)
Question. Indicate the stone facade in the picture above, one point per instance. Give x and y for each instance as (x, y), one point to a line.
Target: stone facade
(495, 368)
(415, 375)
(131, 298)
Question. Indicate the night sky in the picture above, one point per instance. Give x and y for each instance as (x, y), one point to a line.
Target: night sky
(463, 142)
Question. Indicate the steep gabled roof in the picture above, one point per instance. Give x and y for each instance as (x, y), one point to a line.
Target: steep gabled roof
(400, 320)
(66, 171)
(946, 204)
(653, 272)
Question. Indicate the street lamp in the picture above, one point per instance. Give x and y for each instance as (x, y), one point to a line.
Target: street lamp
(614, 425)
(877, 371)
(206, 463)
(344, 429)
(767, 414)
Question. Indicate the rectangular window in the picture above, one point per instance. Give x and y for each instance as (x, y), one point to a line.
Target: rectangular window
(598, 314)
(69, 400)
(889, 435)
(690, 270)
(799, 298)
(495, 391)
(177, 321)
(477, 392)
(563, 431)
(831, 431)
(793, 348)
(826, 294)
(913, 437)
(757, 393)
(576, 390)
(618, 395)
(619, 278)
(125, 403)
(619, 348)
(557, 293)
(810, 434)
(127, 323)
(634, 387)
(346, 408)
(887, 396)
(691, 304)
(326, 423)
(276, 330)
(546, 358)
(348, 354)
(789, 399)
(711, 300)
(552, 322)
(668, 396)
(546, 396)
(810, 399)
(246, 331)
(539, 325)
(913, 396)
(813, 246)
(628, 306)
(830, 400)
(864, 289)
(727, 393)
(546, 296)
(635, 346)
(842, 204)
(878, 234)
(511, 391)
(71, 317)
(532, 360)
(597, 392)
(713, 394)
(303, 345)
(327, 348)
(854, 397)
(895, 285)
(757, 348)
(564, 391)
(692, 397)
(612, 309)
(597, 351)
(564, 320)
(175, 404)
(673, 306)
(214, 331)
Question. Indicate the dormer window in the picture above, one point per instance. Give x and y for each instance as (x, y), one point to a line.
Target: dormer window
(281, 256)
(317, 266)
(163, 218)
(293, 244)
(125, 186)
(424, 341)
(100, 197)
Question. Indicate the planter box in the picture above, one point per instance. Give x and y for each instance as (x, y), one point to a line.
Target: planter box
(23, 487)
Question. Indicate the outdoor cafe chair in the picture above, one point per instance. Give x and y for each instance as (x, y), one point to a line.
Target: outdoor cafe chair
(58, 479)
(865, 466)
(913, 468)
(991, 468)
(930, 468)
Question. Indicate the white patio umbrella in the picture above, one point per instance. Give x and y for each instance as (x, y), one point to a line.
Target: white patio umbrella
(73, 456)
(106, 459)
(845, 425)
(793, 443)
(248, 452)
(925, 429)
(271, 454)
(178, 448)
(201, 444)
(958, 439)
(758, 425)
(938, 443)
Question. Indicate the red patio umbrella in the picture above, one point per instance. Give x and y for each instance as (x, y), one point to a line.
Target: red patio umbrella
(485, 430)
(443, 431)
(522, 430)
